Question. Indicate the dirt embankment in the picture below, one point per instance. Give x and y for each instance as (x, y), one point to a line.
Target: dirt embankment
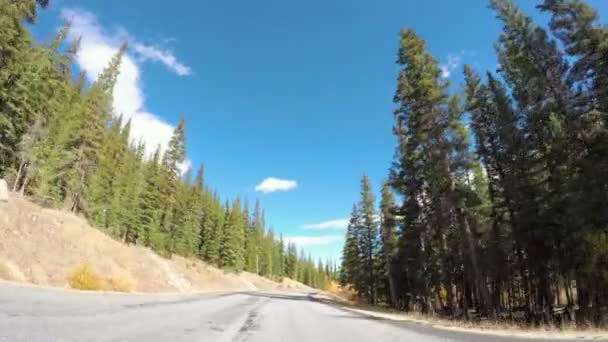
(43, 246)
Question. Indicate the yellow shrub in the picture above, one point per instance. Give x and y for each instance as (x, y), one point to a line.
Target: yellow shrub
(120, 283)
(86, 278)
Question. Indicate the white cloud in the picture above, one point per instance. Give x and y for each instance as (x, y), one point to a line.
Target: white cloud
(272, 184)
(332, 224)
(185, 166)
(96, 50)
(313, 240)
(450, 65)
(155, 53)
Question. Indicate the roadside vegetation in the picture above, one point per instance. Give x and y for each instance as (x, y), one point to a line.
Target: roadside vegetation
(62, 145)
(495, 206)
(86, 277)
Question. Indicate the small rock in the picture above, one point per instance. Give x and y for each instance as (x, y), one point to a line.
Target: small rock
(3, 191)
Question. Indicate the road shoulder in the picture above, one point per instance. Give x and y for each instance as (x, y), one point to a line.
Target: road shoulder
(463, 328)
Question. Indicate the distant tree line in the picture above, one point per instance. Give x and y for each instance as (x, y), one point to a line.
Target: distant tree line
(501, 207)
(62, 144)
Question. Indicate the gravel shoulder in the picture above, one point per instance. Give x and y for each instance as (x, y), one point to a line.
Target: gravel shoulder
(469, 330)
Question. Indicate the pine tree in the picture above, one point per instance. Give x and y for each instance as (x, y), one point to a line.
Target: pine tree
(258, 238)
(585, 41)
(186, 217)
(56, 151)
(280, 257)
(96, 114)
(15, 75)
(173, 157)
(231, 253)
(131, 182)
(351, 270)
(418, 174)
(101, 187)
(150, 206)
(251, 245)
(291, 261)
(368, 242)
(388, 242)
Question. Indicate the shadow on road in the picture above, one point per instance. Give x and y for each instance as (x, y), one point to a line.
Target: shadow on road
(305, 296)
(359, 317)
(189, 299)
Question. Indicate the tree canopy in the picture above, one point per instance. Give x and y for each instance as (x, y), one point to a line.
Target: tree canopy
(495, 204)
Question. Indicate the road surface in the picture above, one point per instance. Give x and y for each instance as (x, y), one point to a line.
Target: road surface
(38, 314)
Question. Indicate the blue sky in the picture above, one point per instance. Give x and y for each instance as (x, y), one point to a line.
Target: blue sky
(296, 90)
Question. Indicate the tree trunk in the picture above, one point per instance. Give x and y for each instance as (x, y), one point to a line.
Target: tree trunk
(391, 281)
(472, 254)
(466, 298)
(372, 279)
(18, 176)
(545, 296)
(26, 182)
(451, 297)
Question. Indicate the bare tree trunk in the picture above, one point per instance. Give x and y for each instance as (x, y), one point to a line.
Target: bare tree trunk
(545, 296)
(372, 278)
(18, 176)
(510, 300)
(391, 280)
(26, 182)
(466, 300)
(569, 297)
(497, 299)
(451, 297)
(479, 283)
(525, 280)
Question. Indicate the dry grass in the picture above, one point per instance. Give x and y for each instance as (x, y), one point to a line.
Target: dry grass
(120, 283)
(85, 277)
(341, 293)
(497, 328)
(5, 272)
(42, 245)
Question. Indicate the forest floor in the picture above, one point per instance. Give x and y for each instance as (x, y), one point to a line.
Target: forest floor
(44, 246)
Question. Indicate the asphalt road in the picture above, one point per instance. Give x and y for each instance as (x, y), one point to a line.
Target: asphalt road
(38, 314)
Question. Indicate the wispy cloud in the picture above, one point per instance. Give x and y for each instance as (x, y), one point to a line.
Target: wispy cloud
(155, 53)
(454, 60)
(97, 48)
(331, 224)
(272, 184)
(450, 65)
(314, 240)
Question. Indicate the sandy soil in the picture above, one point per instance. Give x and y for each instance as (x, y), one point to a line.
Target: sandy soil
(42, 246)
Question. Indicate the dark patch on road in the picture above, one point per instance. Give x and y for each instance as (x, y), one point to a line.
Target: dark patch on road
(216, 328)
(180, 301)
(251, 324)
